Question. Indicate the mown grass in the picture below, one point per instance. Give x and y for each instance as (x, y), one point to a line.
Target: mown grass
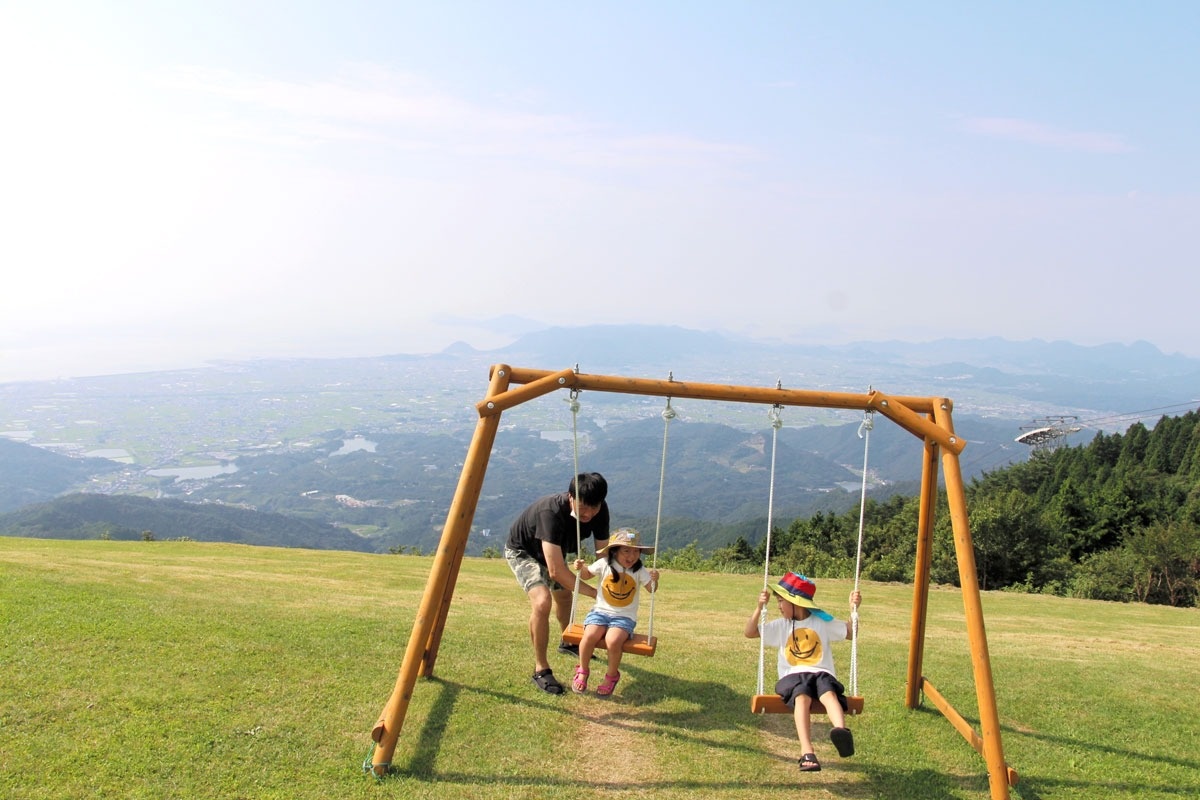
(189, 670)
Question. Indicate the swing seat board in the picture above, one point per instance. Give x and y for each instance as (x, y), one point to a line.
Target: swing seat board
(638, 645)
(773, 704)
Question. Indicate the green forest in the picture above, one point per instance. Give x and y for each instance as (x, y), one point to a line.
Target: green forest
(1116, 519)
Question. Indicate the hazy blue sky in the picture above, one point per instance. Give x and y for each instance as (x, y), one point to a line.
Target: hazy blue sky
(188, 180)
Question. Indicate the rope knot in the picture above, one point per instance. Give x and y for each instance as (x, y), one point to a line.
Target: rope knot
(868, 424)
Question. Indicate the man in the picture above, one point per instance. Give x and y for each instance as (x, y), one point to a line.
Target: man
(536, 552)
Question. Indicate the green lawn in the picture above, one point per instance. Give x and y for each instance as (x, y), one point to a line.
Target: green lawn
(189, 670)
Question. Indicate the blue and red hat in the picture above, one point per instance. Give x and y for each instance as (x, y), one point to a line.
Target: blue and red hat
(799, 590)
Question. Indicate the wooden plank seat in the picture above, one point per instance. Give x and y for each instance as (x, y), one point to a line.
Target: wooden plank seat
(638, 645)
(773, 704)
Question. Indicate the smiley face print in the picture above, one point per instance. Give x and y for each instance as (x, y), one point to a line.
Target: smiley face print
(803, 648)
(620, 589)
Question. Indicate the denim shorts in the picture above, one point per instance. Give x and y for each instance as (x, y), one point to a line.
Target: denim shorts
(609, 621)
(529, 571)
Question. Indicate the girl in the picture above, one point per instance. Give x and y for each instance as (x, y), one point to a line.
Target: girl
(619, 568)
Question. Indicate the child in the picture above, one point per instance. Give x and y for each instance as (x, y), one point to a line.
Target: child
(619, 568)
(803, 635)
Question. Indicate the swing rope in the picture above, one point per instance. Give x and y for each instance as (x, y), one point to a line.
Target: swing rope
(668, 414)
(776, 417)
(638, 644)
(864, 433)
(573, 399)
(764, 703)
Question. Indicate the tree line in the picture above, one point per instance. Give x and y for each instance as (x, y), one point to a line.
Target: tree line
(1115, 519)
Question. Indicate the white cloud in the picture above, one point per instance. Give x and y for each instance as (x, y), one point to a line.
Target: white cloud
(369, 103)
(1039, 133)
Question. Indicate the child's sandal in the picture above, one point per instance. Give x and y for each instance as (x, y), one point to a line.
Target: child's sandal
(581, 679)
(843, 740)
(808, 763)
(610, 683)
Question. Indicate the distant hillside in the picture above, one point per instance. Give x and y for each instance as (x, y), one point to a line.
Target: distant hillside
(398, 494)
(91, 516)
(284, 424)
(31, 474)
(988, 373)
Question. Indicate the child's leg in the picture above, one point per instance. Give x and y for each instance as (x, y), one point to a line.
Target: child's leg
(840, 735)
(587, 643)
(833, 708)
(803, 719)
(614, 640)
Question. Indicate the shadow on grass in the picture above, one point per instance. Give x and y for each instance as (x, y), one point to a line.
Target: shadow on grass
(924, 784)
(716, 707)
(1101, 789)
(709, 706)
(1027, 787)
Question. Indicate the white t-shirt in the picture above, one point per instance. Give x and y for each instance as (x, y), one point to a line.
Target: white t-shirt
(803, 643)
(618, 599)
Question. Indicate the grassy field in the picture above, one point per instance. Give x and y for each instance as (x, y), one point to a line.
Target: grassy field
(189, 670)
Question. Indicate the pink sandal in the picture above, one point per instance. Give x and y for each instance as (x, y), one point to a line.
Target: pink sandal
(610, 683)
(580, 682)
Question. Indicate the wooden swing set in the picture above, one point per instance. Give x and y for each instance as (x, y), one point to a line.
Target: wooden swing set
(928, 418)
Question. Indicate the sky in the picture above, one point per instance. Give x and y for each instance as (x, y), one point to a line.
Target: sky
(183, 181)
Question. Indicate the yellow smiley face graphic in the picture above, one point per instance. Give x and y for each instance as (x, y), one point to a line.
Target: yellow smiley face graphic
(804, 647)
(620, 593)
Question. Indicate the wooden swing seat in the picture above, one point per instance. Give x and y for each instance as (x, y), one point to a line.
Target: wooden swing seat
(637, 645)
(773, 704)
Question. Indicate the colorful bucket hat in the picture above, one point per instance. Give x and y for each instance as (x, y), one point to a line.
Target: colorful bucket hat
(799, 590)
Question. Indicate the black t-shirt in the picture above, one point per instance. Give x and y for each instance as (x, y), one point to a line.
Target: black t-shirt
(549, 520)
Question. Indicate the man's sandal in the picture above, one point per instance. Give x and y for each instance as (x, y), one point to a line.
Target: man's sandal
(610, 683)
(581, 679)
(544, 679)
(809, 763)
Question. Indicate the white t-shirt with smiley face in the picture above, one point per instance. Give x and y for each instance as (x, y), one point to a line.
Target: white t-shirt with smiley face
(803, 643)
(619, 598)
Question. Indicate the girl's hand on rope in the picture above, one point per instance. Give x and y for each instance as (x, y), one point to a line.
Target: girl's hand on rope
(584, 574)
(855, 598)
(654, 580)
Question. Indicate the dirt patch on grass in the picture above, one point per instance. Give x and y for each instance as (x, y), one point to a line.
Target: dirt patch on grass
(613, 743)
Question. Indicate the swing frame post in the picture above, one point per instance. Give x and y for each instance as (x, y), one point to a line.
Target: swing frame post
(430, 621)
(1000, 776)
(921, 572)
(927, 418)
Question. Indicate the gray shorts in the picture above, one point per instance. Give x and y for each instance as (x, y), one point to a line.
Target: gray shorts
(529, 571)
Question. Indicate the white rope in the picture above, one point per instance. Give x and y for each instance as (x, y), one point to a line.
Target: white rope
(864, 433)
(776, 423)
(573, 399)
(668, 414)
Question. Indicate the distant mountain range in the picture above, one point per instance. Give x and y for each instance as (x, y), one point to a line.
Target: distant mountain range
(1055, 376)
(285, 424)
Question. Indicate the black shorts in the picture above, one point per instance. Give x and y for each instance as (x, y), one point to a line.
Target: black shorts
(813, 684)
